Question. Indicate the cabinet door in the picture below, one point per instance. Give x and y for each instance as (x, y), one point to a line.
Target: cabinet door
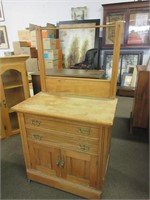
(5, 122)
(12, 94)
(79, 167)
(44, 159)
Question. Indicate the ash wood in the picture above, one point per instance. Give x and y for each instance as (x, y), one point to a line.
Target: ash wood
(66, 129)
(86, 87)
(55, 73)
(116, 55)
(14, 89)
(58, 106)
(65, 185)
(58, 148)
(77, 27)
(110, 86)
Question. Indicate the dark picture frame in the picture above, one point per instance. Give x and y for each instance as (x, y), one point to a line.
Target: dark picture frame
(126, 58)
(3, 38)
(1, 12)
(71, 40)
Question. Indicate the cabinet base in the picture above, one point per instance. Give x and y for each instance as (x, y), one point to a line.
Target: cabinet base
(64, 185)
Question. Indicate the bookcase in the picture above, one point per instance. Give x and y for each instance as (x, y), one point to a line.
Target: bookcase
(136, 28)
(14, 89)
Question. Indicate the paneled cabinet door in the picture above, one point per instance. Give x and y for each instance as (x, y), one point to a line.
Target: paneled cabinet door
(44, 159)
(80, 167)
(5, 127)
(70, 165)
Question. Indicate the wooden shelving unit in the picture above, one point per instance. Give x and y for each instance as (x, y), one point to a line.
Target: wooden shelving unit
(14, 89)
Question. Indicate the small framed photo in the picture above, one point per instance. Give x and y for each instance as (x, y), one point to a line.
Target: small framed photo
(79, 13)
(1, 12)
(3, 38)
(126, 79)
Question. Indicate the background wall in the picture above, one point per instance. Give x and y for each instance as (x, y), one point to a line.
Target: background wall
(20, 13)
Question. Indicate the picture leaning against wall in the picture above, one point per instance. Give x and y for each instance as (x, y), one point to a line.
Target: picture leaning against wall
(1, 12)
(3, 38)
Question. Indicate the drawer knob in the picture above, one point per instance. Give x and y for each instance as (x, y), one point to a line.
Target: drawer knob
(84, 147)
(84, 131)
(35, 122)
(62, 162)
(58, 161)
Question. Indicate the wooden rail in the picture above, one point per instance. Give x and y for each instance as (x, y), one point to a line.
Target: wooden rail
(81, 86)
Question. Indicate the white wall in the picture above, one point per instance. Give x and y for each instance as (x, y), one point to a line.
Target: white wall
(20, 13)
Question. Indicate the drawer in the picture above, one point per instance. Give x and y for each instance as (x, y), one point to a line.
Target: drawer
(71, 142)
(62, 126)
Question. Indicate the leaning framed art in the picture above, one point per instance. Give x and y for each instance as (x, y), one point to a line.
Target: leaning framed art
(127, 58)
(79, 13)
(1, 12)
(76, 40)
(3, 38)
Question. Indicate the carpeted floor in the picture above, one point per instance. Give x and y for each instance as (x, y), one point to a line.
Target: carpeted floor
(127, 176)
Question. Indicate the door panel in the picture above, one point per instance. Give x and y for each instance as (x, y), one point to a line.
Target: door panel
(44, 158)
(80, 168)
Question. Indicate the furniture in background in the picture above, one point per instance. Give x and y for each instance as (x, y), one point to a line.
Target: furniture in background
(90, 61)
(136, 28)
(140, 111)
(14, 89)
(66, 144)
(135, 40)
(126, 91)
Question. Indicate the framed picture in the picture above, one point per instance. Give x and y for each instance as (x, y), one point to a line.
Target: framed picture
(126, 79)
(139, 28)
(110, 32)
(76, 41)
(79, 13)
(3, 38)
(1, 12)
(130, 58)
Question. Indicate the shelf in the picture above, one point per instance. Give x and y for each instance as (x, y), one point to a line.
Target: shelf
(14, 96)
(14, 132)
(12, 85)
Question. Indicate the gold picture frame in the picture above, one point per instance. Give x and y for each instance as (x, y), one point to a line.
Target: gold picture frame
(110, 32)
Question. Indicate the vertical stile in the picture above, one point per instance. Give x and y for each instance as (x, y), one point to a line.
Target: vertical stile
(116, 54)
(41, 58)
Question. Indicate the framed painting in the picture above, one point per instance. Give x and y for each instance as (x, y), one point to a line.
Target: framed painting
(1, 12)
(127, 58)
(3, 38)
(76, 41)
(110, 32)
(139, 28)
(79, 13)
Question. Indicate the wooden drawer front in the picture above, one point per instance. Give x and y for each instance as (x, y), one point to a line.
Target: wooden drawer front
(72, 142)
(63, 126)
